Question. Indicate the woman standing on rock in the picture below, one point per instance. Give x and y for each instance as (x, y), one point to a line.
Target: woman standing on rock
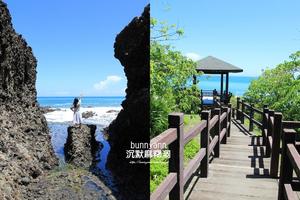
(77, 119)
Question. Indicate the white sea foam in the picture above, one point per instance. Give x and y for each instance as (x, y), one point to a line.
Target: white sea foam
(102, 117)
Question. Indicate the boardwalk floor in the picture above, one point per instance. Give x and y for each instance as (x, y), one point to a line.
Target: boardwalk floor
(241, 172)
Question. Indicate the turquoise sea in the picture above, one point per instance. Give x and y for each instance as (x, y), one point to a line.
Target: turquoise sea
(238, 85)
(66, 102)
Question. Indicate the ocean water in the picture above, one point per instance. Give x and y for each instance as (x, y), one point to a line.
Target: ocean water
(106, 110)
(238, 85)
(66, 102)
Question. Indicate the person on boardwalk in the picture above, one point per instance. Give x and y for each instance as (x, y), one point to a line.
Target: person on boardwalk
(77, 119)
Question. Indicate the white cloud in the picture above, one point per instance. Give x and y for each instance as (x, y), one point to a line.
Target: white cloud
(193, 56)
(108, 81)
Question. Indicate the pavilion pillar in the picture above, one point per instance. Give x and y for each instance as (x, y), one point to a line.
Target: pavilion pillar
(221, 95)
(194, 79)
(227, 86)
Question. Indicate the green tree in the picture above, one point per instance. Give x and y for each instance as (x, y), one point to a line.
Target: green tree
(279, 88)
(171, 78)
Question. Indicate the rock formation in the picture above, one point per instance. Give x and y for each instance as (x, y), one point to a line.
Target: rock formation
(25, 145)
(48, 109)
(81, 145)
(132, 123)
(69, 183)
(88, 114)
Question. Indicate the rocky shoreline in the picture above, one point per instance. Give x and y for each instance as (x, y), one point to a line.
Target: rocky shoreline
(68, 182)
(28, 166)
(73, 180)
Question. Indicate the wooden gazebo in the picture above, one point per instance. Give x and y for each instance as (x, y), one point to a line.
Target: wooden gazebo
(212, 65)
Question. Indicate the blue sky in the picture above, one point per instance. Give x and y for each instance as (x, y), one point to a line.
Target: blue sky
(251, 34)
(73, 43)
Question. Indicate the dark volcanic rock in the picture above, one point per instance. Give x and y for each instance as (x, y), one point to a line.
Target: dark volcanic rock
(88, 114)
(69, 183)
(81, 145)
(25, 145)
(47, 109)
(111, 111)
(132, 123)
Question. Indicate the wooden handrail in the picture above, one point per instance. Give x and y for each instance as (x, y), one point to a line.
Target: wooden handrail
(197, 129)
(289, 162)
(213, 144)
(257, 110)
(223, 116)
(245, 114)
(164, 188)
(257, 123)
(274, 132)
(294, 158)
(271, 129)
(166, 137)
(222, 133)
(291, 124)
(213, 122)
(218, 126)
(193, 165)
(289, 193)
(272, 121)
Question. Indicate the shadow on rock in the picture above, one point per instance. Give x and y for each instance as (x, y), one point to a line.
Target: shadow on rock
(132, 123)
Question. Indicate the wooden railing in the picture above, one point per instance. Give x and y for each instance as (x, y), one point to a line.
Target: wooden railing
(214, 128)
(290, 161)
(270, 124)
(275, 131)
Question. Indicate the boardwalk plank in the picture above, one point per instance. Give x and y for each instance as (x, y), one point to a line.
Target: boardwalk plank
(241, 172)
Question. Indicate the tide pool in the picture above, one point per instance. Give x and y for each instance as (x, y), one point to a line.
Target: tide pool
(105, 110)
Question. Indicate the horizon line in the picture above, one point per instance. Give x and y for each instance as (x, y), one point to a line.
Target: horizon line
(82, 97)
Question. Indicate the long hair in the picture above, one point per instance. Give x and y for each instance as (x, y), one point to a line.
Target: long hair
(75, 102)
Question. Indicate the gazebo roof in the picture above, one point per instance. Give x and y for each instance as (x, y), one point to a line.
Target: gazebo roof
(212, 65)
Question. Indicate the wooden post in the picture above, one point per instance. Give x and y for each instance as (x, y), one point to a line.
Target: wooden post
(176, 158)
(201, 94)
(222, 96)
(251, 114)
(205, 115)
(276, 145)
(242, 113)
(229, 120)
(227, 86)
(224, 125)
(265, 124)
(269, 133)
(286, 168)
(216, 132)
(238, 108)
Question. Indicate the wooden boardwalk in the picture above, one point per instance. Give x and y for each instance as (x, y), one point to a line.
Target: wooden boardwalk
(240, 173)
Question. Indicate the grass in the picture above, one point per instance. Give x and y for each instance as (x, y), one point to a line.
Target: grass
(159, 165)
(256, 130)
(190, 121)
(158, 171)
